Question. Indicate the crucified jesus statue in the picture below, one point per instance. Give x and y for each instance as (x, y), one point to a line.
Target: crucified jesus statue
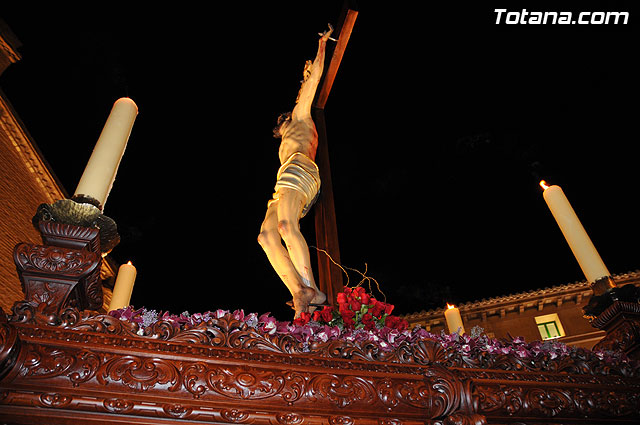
(296, 190)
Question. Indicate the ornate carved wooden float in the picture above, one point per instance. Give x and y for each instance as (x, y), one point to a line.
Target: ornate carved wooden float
(62, 362)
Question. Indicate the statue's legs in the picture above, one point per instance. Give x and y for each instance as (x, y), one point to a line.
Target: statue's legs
(289, 206)
(293, 263)
(270, 241)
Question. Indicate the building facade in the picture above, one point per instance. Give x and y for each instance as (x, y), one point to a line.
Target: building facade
(549, 313)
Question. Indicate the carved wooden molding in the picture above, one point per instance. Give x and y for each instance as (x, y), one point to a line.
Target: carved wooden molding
(622, 323)
(66, 236)
(534, 401)
(54, 277)
(62, 363)
(56, 366)
(94, 367)
(616, 309)
(54, 260)
(65, 272)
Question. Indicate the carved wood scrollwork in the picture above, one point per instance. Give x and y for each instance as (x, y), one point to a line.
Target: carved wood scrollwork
(437, 393)
(622, 323)
(139, 373)
(9, 345)
(289, 418)
(624, 337)
(224, 370)
(55, 260)
(68, 236)
(552, 402)
(64, 272)
(254, 385)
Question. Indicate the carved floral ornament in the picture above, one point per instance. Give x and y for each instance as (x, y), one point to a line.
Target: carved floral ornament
(52, 259)
(232, 367)
(53, 276)
(238, 361)
(264, 333)
(435, 393)
(436, 396)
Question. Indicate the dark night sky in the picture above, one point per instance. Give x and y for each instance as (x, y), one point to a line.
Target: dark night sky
(440, 124)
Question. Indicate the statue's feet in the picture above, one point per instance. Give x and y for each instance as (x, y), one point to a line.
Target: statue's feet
(318, 300)
(307, 300)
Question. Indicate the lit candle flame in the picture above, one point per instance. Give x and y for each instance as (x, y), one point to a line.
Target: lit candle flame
(544, 185)
(129, 263)
(450, 306)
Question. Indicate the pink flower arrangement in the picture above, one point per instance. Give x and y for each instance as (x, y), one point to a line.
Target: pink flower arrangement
(360, 318)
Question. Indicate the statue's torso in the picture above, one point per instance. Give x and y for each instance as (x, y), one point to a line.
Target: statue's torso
(299, 136)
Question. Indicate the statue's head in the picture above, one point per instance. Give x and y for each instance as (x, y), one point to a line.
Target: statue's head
(281, 127)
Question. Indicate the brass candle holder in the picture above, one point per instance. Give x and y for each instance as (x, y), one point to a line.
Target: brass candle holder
(605, 293)
(82, 211)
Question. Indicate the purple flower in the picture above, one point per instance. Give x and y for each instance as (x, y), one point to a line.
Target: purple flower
(251, 320)
(284, 327)
(219, 314)
(322, 336)
(149, 318)
(518, 340)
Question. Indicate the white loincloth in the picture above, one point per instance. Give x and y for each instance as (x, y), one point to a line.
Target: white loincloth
(300, 173)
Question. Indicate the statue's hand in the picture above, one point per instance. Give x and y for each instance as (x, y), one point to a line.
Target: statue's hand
(324, 36)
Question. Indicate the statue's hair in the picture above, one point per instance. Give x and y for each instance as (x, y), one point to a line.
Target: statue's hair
(283, 119)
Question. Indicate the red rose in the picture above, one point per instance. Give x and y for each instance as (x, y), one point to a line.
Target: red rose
(327, 313)
(316, 316)
(359, 291)
(378, 308)
(365, 298)
(402, 325)
(388, 308)
(347, 317)
(348, 313)
(349, 324)
(395, 322)
(367, 321)
(303, 319)
(355, 304)
(342, 298)
(390, 321)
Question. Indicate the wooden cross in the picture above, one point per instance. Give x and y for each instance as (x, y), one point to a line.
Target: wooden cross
(329, 275)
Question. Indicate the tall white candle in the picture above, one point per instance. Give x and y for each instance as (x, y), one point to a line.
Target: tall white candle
(100, 172)
(583, 249)
(123, 287)
(454, 320)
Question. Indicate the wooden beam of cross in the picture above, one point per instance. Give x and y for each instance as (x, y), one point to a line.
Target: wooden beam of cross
(329, 274)
(342, 33)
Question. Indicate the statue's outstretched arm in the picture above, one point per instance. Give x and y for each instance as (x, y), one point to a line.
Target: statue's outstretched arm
(312, 75)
